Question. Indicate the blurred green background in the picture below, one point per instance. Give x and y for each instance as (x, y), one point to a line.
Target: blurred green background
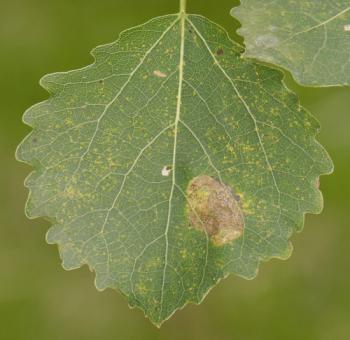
(306, 297)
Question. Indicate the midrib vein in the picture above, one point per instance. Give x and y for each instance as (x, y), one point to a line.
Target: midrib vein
(176, 125)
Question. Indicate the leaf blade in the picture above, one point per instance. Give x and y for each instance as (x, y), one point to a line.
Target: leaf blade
(181, 110)
(308, 38)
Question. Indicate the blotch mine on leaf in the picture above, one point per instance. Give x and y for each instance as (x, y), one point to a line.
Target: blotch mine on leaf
(212, 207)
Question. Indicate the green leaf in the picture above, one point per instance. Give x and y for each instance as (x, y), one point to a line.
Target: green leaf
(170, 163)
(311, 39)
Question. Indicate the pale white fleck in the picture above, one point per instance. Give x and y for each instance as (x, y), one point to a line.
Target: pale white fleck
(159, 74)
(347, 28)
(166, 171)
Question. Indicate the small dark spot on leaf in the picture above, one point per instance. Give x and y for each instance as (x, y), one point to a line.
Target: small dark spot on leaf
(220, 51)
(101, 81)
(35, 140)
(237, 197)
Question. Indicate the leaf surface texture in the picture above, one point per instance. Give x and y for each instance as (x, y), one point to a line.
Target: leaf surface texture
(118, 142)
(311, 39)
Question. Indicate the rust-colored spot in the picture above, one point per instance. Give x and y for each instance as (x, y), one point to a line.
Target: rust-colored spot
(159, 74)
(213, 207)
(220, 51)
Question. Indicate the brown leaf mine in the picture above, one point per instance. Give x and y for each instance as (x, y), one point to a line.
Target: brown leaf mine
(212, 207)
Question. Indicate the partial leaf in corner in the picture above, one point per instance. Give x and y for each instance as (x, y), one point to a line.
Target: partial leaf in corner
(311, 39)
(171, 162)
